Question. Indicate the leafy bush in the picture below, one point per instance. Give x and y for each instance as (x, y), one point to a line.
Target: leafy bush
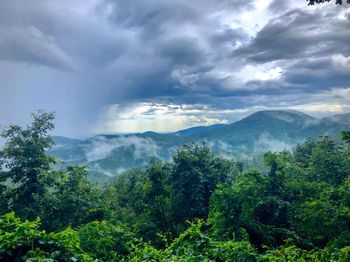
(195, 245)
(24, 241)
(104, 240)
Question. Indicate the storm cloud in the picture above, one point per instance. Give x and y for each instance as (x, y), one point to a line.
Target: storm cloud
(110, 66)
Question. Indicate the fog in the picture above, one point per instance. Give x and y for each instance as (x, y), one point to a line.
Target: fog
(101, 147)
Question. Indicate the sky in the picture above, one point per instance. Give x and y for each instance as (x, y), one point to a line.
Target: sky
(116, 66)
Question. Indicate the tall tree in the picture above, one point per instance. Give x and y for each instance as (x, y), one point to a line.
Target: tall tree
(72, 200)
(157, 194)
(24, 164)
(195, 175)
(345, 137)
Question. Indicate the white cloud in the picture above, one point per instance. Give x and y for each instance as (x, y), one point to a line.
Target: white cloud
(100, 147)
(267, 71)
(266, 142)
(141, 117)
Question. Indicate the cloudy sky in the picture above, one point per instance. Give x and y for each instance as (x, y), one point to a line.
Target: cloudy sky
(111, 66)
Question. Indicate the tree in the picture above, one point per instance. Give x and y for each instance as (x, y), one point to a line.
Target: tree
(72, 200)
(232, 208)
(24, 163)
(195, 175)
(105, 241)
(345, 137)
(325, 218)
(156, 193)
(141, 199)
(328, 163)
(125, 198)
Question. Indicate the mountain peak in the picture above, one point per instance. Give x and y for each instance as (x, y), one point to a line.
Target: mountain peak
(339, 118)
(198, 129)
(286, 116)
(282, 113)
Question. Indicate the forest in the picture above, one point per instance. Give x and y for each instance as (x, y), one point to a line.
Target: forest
(196, 207)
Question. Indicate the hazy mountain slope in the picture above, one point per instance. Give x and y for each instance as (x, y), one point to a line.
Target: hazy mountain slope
(335, 123)
(69, 150)
(66, 141)
(262, 131)
(343, 119)
(198, 129)
(330, 126)
(283, 125)
(113, 154)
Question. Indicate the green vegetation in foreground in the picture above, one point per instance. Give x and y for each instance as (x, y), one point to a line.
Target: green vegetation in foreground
(198, 207)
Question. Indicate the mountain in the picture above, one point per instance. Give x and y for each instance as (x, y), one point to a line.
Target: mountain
(274, 130)
(61, 140)
(198, 129)
(340, 119)
(332, 124)
(114, 154)
(284, 125)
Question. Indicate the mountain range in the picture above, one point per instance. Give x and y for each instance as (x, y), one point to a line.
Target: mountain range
(273, 130)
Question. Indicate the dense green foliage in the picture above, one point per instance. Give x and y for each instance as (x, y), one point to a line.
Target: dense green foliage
(197, 207)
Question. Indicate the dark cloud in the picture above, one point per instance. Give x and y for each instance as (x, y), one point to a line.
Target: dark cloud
(154, 15)
(228, 36)
(279, 6)
(313, 75)
(297, 34)
(181, 51)
(30, 45)
(81, 57)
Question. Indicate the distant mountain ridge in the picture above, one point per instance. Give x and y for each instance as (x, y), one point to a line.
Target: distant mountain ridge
(261, 131)
(198, 129)
(279, 124)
